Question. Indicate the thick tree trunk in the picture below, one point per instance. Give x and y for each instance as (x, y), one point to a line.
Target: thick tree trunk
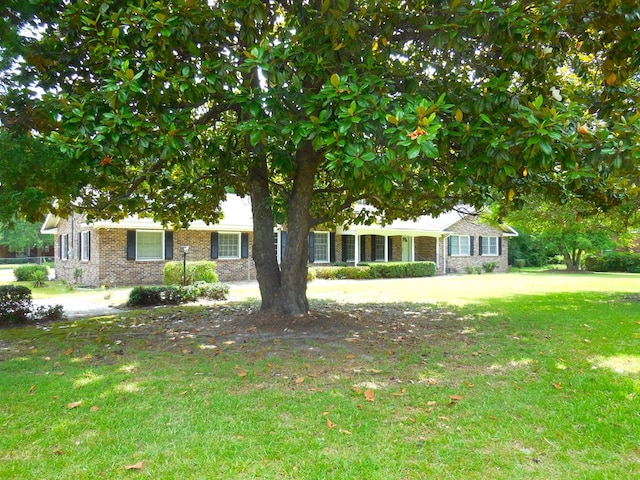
(284, 289)
(572, 260)
(264, 254)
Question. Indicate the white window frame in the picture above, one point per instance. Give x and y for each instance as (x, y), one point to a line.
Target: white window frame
(64, 247)
(232, 239)
(460, 252)
(85, 246)
(153, 258)
(489, 250)
(321, 253)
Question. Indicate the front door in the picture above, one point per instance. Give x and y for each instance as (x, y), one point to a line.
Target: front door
(407, 246)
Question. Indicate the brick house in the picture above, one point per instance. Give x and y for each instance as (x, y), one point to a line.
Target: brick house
(134, 251)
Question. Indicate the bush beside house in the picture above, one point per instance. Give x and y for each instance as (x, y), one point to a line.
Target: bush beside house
(203, 271)
(366, 271)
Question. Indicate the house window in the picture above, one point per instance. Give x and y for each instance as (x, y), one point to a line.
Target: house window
(350, 246)
(489, 246)
(85, 246)
(459, 245)
(321, 247)
(380, 243)
(64, 247)
(149, 245)
(229, 245)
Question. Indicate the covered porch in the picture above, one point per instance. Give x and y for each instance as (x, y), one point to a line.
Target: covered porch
(359, 244)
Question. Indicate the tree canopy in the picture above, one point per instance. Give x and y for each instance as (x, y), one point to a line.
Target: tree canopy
(20, 236)
(573, 228)
(163, 107)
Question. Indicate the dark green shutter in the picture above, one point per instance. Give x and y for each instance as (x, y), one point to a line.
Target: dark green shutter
(499, 245)
(312, 247)
(479, 246)
(214, 245)
(374, 255)
(168, 245)
(363, 247)
(449, 246)
(88, 245)
(244, 245)
(390, 247)
(332, 247)
(79, 253)
(471, 239)
(131, 244)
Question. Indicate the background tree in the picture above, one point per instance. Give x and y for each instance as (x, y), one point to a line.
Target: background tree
(310, 106)
(21, 236)
(573, 228)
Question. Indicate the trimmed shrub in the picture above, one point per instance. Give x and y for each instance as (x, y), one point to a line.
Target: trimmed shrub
(403, 269)
(203, 271)
(176, 294)
(355, 273)
(210, 291)
(377, 270)
(420, 269)
(327, 273)
(27, 273)
(489, 267)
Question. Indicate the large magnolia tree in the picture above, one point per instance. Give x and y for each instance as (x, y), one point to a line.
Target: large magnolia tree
(162, 107)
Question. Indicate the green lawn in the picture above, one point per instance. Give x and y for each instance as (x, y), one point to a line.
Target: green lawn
(447, 378)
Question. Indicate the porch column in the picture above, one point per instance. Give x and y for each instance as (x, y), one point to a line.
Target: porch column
(386, 248)
(356, 248)
(413, 249)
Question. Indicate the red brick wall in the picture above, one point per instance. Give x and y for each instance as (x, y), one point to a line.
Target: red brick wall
(109, 265)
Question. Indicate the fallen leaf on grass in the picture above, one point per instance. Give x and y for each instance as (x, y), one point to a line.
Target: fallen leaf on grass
(346, 432)
(68, 352)
(557, 386)
(94, 408)
(299, 380)
(455, 398)
(330, 424)
(32, 390)
(431, 403)
(74, 404)
(135, 466)
(369, 395)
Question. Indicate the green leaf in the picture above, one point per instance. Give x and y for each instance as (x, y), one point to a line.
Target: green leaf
(538, 101)
(430, 150)
(414, 151)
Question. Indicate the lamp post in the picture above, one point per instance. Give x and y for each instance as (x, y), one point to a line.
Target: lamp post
(185, 250)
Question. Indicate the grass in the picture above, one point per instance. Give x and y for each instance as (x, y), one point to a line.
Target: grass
(511, 386)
